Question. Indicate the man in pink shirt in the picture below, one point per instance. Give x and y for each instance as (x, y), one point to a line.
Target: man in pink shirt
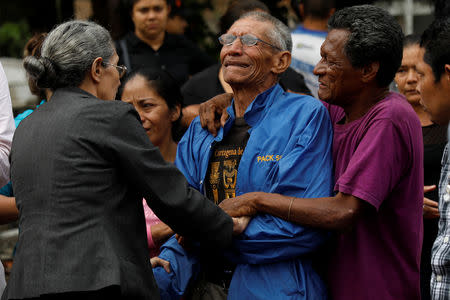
(376, 213)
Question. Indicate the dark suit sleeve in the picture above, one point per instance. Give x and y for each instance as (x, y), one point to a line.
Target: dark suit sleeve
(184, 209)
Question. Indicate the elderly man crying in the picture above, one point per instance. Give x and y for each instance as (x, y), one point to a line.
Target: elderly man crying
(273, 141)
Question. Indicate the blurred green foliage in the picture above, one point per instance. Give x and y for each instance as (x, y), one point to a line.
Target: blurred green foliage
(198, 31)
(13, 37)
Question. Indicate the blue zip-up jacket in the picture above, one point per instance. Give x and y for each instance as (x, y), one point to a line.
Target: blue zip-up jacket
(288, 152)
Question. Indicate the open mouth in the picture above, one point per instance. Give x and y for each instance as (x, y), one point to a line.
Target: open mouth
(321, 84)
(235, 64)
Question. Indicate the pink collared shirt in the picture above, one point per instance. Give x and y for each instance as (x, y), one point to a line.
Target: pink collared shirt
(150, 220)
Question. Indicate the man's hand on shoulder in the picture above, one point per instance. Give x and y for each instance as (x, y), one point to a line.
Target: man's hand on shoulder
(213, 113)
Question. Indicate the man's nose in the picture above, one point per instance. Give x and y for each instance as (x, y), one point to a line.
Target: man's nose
(320, 67)
(236, 46)
(151, 14)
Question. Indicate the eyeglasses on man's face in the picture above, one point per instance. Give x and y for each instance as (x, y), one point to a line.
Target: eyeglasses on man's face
(121, 69)
(249, 40)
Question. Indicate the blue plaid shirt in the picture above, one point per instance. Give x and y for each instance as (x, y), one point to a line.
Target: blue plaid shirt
(440, 258)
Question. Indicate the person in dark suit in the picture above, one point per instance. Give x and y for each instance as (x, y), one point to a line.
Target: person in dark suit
(80, 167)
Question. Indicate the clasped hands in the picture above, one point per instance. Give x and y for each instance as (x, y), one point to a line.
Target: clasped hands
(238, 208)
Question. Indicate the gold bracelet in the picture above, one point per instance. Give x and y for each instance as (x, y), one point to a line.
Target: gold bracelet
(289, 211)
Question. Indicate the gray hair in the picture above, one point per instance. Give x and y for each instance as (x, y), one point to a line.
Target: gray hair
(68, 53)
(280, 35)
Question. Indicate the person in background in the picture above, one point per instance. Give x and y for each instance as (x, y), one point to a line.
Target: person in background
(32, 47)
(157, 98)
(434, 140)
(377, 209)
(79, 193)
(150, 46)
(209, 82)
(6, 127)
(433, 67)
(308, 36)
(7, 208)
(177, 21)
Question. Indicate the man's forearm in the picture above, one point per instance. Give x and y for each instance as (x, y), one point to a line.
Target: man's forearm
(332, 213)
(160, 233)
(8, 209)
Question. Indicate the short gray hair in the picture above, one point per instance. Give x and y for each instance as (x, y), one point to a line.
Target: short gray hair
(68, 53)
(280, 35)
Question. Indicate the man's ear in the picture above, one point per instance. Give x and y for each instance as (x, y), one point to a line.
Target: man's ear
(369, 72)
(97, 69)
(447, 71)
(282, 62)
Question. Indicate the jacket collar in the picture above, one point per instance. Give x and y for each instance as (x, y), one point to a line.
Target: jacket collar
(254, 112)
(62, 92)
(258, 106)
(73, 89)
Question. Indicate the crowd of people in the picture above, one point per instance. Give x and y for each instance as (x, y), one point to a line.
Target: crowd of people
(290, 169)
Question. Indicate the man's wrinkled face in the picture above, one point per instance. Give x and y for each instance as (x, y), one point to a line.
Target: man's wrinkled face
(243, 64)
(435, 95)
(338, 79)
